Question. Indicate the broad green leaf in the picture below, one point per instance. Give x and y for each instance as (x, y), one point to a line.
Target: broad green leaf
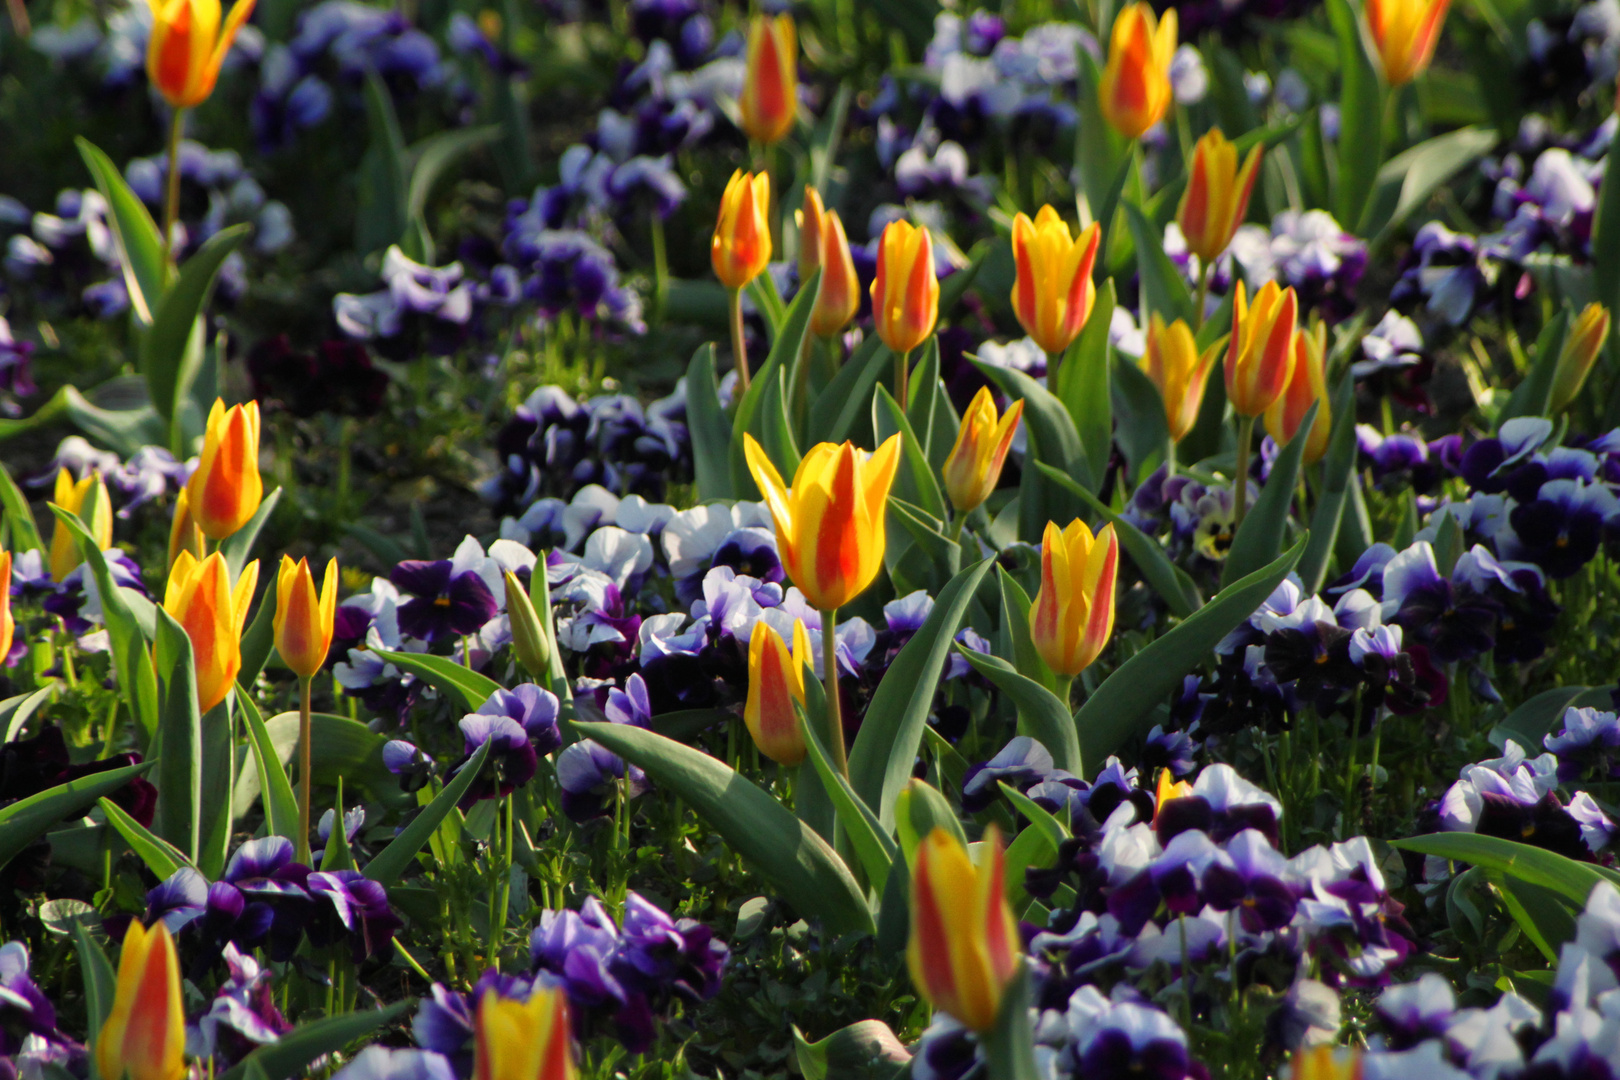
(919, 809)
(1142, 432)
(19, 517)
(24, 821)
(172, 350)
(180, 736)
(872, 843)
(437, 153)
(260, 639)
(137, 236)
(280, 803)
(1572, 880)
(220, 752)
(1041, 715)
(382, 215)
(239, 545)
(1100, 151)
(1361, 119)
(684, 725)
(1039, 817)
(931, 413)
(336, 855)
(1409, 179)
(915, 481)
(338, 747)
(711, 435)
(866, 1047)
(1535, 719)
(100, 982)
(1547, 918)
(1032, 847)
(392, 861)
(1082, 383)
(443, 673)
(929, 534)
(1052, 440)
(752, 412)
(1016, 644)
(1265, 527)
(289, 1055)
(15, 711)
(836, 409)
(1163, 291)
(762, 290)
(1530, 397)
(1337, 466)
(160, 856)
(1009, 1047)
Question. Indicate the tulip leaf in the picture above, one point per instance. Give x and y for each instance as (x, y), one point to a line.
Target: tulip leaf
(100, 983)
(26, 820)
(1041, 715)
(834, 413)
(1261, 535)
(382, 216)
(711, 435)
(125, 429)
(443, 673)
(388, 864)
(762, 290)
(861, 1049)
(1117, 708)
(915, 482)
(777, 434)
(1572, 880)
(919, 809)
(759, 405)
(172, 351)
(1361, 119)
(881, 759)
(1053, 440)
(894, 916)
(872, 843)
(788, 852)
(15, 711)
(435, 154)
(221, 752)
(1032, 847)
(1163, 290)
(931, 414)
(1142, 432)
(136, 235)
(1009, 1046)
(280, 803)
(338, 747)
(239, 545)
(287, 1056)
(1037, 815)
(1100, 151)
(19, 517)
(1532, 721)
(260, 639)
(954, 286)
(180, 736)
(336, 855)
(1546, 918)
(1082, 384)
(1409, 180)
(1531, 397)
(1606, 247)
(1336, 469)
(1016, 644)
(929, 534)
(160, 856)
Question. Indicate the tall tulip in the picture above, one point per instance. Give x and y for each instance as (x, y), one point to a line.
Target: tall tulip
(8, 624)
(838, 297)
(1134, 90)
(1405, 33)
(1053, 292)
(1307, 384)
(184, 533)
(975, 462)
(202, 600)
(775, 684)
(770, 93)
(1073, 613)
(810, 219)
(72, 496)
(1215, 202)
(830, 531)
(741, 249)
(1582, 347)
(1173, 363)
(225, 491)
(1259, 361)
(144, 1036)
(523, 1040)
(964, 942)
(905, 295)
(303, 626)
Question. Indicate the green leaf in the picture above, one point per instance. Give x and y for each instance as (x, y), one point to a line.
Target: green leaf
(1118, 707)
(260, 639)
(100, 983)
(288, 1056)
(19, 517)
(239, 545)
(872, 843)
(280, 803)
(836, 409)
(1337, 468)
(1546, 918)
(1016, 644)
(1038, 816)
(160, 856)
(336, 855)
(1032, 847)
(15, 711)
(139, 241)
(1606, 247)
(388, 864)
(929, 534)
(1082, 383)
(711, 435)
(915, 482)
(1009, 1047)
(437, 153)
(864, 1048)
(443, 673)
(1264, 528)
(1410, 178)
(955, 285)
(1100, 151)
(919, 809)
(1142, 433)
(787, 852)
(1531, 397)
(1163, 291)
(761, 405)
(1052, 440)
(1535, 719)
(931, 413)
(179, 783)
(172, 350)
(1041, 715)
(338, 747)
(24, 821)
(1572, 880)
(382, 215)
(762, 290)
(1361, 119)
(880, 761)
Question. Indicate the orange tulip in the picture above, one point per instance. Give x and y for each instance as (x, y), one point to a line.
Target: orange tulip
(225, 491)
(523, 1040)
(1306, 384)
(1217, 195)
(200, 598)
(1134, 90)
(144, 1037)
(184, 534)
(810, 220)
(838, 297)
(1073, 613)
(775, 683)
(1260, 353)
(186, 49)
(8, 624)
(303, 621)
(1172, 362)
(1405, 33)
(905, 293)
(72, 496)
(1053, 292)
(964, 942)
(742, 239)
(770, 94)
(974, 465)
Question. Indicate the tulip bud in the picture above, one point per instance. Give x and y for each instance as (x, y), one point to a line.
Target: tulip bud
(1073, 613)
(1306, 384)
(144, 1037)
(964, 942)
(775, 683)
(303, 621)
(1134, 90)
(830, 523)
(1582, 346)
(1405, 33)
(810, 221)
(1171, 360)
(974, 465)
(1217, 195)
(770, 94)
(186, 47)
(1260, 352)
(87, 498)
(523, 1040)
(530, 642)
(8, 624)
(184, 535)
(905, 293)
(200, 598)
(838, 297)
(742, 238)
(1053, 292)
(225, 490)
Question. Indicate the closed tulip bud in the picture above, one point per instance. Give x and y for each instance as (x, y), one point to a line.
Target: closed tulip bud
(225, 491)
(186, 48)
(1134, 90)
(838, 297)
(1170, 789)
(775, 683)
(964, 942)
(523, 1040)
(201, 599)
(1260, 352)
(87, 498)
(1217, 195)
(184, 535)
(905, 293)
(303, 620)
(530, 642)
(982, 442)
(1073, 613)
(1053, 292)
(1405, 33)
(742, 238)
(144, 1037)
(8, 624)
(770, 93)
(1172, 361)
(809, 220)
(1326, 1063)
(830, 523)
(1582, 346)
(1307, 384)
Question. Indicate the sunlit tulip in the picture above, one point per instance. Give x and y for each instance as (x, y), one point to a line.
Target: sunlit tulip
(1405, 33)
(964, 942)
(1172, 361)
(1170, 789)
(523, 1040)
(144, 1037)
(72, 496)
(1134, 90)
(184, 534)
(187, 47)
(770, 93)
(775, 683)
(1326, 1062)
(742, 237)
(1260, 354)
(830, 523)
(1073, 613)
(905, 293)
(8, 624)
(838, 297)
(225, 491)
(810, 219)
(201, 599)
(974, 465)
(303, 620)
(1217, 195)
(1053, 292)
(1307, 384)
(1582, 347)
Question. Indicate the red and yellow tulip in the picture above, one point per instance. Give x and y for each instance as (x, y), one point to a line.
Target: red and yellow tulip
(184, 533)
(8, 624)
(1134, 91)
(1405, 33)
(838, 297)
(144, 1037)
(905, 293)
(1582, 347)
(1053, 292)
(304, 621)
(72, 495)
(523, 1040)
(1217, 195)
(1260, 352)
(187, 47)
(1326, 1063)
(201, 599)
(770, 94)
(1172, 361)
(964, 942)
(1073, 613)
(810, 220)
(225, 491)
(742, 237)
(1306, 384)
(974, 465)
(775, 683)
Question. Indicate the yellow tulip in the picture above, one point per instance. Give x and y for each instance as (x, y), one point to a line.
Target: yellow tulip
(1171, 360)
(200, 598)
(72, 496)
(1053, 292)
(225, 491)
(186, 48)
(1326, 1063)
(974, 465)
(8, 624)
(144, 1037)
(303, 621)
(523, 1040)
(775, 683)
(1260, 353)
(742, 239)
(1306, 384)
(770, 94)
(1073, 613)
(1582, 347)
(1405, 33)
(905, 293)
(964, 942)
(1134, 90)
(1217, 195)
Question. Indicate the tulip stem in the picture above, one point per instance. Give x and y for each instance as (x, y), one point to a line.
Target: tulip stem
(660, 255)
(739, 345)
(1240, 493)
(1170, 457)
(305, 779)
(171, 200)
(1065, 690)
(829, 679)
(1204, 274)
(902, 377)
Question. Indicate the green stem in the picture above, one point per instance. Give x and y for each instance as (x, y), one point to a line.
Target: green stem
(829, 678)
(1240, 496)
(1204, 273)
(1170, 457)
(171, 201)
(957, 521)
(306, 781)
(660, 268)
(739, 346)
(1065, 690)
(902, 378)
(345, 477)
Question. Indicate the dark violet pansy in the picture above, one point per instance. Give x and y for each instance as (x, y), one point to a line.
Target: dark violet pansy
(356, 907)
(512, 755)
(1022, 763)
(534, 709)
(442, 604)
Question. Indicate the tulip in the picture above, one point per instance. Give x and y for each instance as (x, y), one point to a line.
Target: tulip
(810, 220)
(741, 248)
(964, 943)
(144, 1037)
(1073, 613)
(303, 628)
(531, 644)
(1259, 362)
(184, 534)
(775, 683)
(1307, 384)
(8, 624)
(1169, 790)
(838, 297)
(1171, 360)
(905, 295)
(523, 1040)
(200, 598)
(974, 465)
(1053, 292)
(186, 48)
(1582, 347)
(225, 490)
(1405, 33)
(1324, 1062)
(97, 517)
(1217, 197)
(770, 93)
(1134, 90)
